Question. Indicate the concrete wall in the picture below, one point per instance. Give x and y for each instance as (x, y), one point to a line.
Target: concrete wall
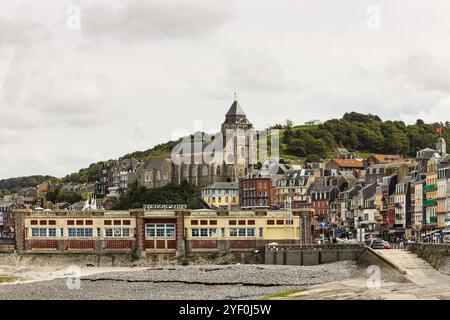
(310, 255)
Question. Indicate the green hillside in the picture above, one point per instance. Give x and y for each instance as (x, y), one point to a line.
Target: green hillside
(360, 133)
(22, 182)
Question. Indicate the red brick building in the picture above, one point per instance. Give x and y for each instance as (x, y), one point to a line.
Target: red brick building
(256, 191)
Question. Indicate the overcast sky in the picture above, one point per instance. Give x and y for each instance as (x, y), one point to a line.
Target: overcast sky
(136, 72)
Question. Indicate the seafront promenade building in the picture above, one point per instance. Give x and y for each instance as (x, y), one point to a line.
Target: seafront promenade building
(143, 232)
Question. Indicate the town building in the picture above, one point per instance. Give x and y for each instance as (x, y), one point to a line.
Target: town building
(376, 172)
(342, 153)
(383, 159)
(7, 218)
(146, 232)
(221, 195)
(352, 166)
(257, 190)
(292, 188)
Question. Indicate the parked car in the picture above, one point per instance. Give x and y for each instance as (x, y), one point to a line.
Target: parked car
(377, 244)
(387, 245)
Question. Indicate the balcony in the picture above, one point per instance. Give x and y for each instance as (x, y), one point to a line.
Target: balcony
(430, 202)
(430, 187)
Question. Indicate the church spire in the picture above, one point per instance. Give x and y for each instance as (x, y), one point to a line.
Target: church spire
(235, 109)
(236, 118)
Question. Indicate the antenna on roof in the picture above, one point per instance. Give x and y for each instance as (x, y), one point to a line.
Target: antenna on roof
(235, 96)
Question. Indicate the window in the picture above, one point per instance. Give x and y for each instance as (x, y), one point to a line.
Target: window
(117, 232)
(72, 232)
(161, 230)
(271, 222)
(242, 232)
(194, 222)
(43, 232)
(232, 222)
(107, 222)
(261, 233)
(80, 232)
(204, 232)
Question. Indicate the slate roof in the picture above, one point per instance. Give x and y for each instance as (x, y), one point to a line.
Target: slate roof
(235, 110)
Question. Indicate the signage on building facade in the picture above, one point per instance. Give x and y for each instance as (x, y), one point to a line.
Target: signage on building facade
(164, 206)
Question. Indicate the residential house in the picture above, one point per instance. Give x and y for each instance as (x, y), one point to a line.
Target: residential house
(257, 190)
(292, 188)
(221, 195)
(342, 153)
(383, 159)
(352, 166)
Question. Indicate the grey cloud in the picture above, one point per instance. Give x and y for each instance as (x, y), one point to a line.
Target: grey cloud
(254, 71)
(421, 70)
(152, 19)
(19, 31)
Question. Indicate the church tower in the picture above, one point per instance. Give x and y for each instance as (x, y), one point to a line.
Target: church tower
(236, 142)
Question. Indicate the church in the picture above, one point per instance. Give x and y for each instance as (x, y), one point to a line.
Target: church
(235, 158)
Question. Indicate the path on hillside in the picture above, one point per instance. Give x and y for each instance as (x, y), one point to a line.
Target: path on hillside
(425, 282)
